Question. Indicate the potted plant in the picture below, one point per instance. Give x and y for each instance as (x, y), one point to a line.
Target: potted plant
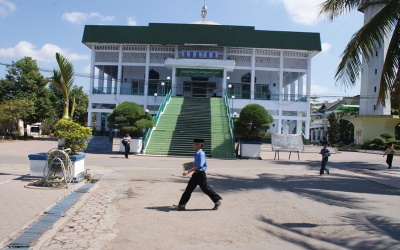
(129, 117)
(70, 134)
(249, 127)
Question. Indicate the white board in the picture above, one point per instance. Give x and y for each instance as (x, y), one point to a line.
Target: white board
(287, 142)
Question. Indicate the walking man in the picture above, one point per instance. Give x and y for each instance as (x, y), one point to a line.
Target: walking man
(325, 155)
(198, 178)
(390, 151)
(126, 141)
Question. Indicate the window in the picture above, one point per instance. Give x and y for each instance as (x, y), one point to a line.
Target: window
(262, 92)
(137, 88)
(153, 87)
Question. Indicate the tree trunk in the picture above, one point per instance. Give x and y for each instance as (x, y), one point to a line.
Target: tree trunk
(25, 131)
(65, 112)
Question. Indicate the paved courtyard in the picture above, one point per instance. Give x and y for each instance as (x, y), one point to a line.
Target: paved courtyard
(267, 204)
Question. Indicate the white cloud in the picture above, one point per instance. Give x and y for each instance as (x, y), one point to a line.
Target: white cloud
(303, 11)
(80, 17)
(131, 21)
(86, 70)
(318, 90)
(6, 7)
(44, 54)
(326, 47)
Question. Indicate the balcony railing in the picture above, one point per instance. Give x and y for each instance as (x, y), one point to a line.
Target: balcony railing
(162, 91)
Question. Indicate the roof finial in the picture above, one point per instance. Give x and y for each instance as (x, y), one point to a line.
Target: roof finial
(204, 10)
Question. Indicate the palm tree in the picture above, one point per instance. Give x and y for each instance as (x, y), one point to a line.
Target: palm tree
(385, 23)
(63, 79)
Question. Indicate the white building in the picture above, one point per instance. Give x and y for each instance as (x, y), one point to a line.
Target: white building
(270, 68)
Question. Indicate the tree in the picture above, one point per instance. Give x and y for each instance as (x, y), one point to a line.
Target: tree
(130, 118)
(63, 80)
(81, 99)
(333, 130)
(384, 23)
(13, 110)
(252, 119)
(24, 81)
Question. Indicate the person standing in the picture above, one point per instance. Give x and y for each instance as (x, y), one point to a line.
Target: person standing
(325, 155)
(198, 178)
(126, 141)
(390, 151)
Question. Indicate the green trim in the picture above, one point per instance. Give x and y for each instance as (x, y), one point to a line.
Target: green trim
(220, 35)
(200, 72)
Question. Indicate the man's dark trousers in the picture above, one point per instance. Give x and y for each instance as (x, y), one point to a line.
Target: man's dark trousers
(127, 149)
(323, 167)
(198, 178)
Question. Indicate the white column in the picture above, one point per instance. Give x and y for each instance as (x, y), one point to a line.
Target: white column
(300, 86)
(101, 79)
(119, 75)
(109, 84)
(299, 124)
(146, 77)
(98, 120)
(253, 74)
(293, 95)
(280, 92)
(308, 93)
(91, 85)
(173, 83)
(286, 93)
(223, 89)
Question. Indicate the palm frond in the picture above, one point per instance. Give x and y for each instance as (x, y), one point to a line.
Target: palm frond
(67, 73)
(390, 78)
(389, 83)
(335, 8)
(363, 44)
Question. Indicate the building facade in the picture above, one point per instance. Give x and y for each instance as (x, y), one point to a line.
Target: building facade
(142, 64)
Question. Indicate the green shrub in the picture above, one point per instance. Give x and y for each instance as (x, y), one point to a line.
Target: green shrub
(378, 141)
(373, 146)
(386, 136)
(15, 134)
(75, 135)
(253, 118)
(130, 117)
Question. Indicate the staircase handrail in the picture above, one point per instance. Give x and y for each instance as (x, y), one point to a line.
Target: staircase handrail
(230, 122)
(156, 118)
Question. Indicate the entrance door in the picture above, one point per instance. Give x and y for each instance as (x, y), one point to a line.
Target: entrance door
(199, 89)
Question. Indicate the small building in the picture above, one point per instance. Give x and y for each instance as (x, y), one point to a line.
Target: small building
(204, 60)
(342, 107)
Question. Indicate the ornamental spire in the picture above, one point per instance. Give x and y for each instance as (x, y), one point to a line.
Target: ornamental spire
(204, 11)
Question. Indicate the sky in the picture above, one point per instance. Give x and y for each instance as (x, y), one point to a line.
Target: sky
(40, 28)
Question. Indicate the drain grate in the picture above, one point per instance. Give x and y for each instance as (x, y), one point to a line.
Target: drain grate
(33, 233)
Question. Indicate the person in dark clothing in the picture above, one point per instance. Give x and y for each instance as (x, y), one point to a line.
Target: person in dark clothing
(126, 141)
(198, 178)
(325, 155)
(390, 151)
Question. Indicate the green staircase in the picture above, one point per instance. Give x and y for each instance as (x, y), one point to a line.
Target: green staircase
(187, 118)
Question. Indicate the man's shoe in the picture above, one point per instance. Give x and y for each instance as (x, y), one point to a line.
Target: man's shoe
(217, 205)
(179, 208)
(327, 171)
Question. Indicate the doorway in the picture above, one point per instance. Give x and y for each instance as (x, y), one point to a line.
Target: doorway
(198, 89)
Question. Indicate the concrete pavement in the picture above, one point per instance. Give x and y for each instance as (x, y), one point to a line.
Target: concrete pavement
(134, 192)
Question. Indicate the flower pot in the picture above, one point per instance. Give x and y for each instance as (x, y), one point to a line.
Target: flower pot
(38, 163)
(136, 145)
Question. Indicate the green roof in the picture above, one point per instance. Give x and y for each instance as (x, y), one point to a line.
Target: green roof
(220, 35)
